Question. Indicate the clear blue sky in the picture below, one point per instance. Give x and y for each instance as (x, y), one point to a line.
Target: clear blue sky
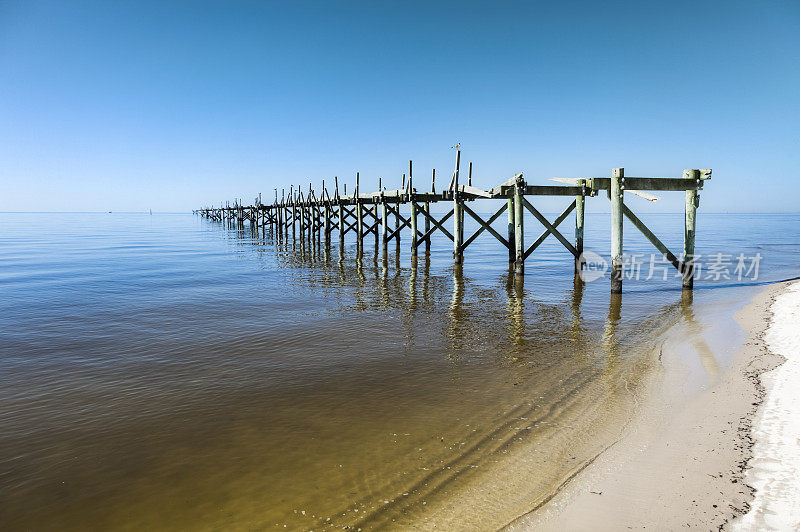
(171, 105)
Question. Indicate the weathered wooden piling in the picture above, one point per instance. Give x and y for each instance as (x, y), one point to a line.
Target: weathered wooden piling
(327, 214)
(359, 218)
(413, 202)
(384, 221)
(519, 228)
(458, 219)
(616, 195)
(580, 205)
(690, 221)
(512, 255)
(397, 219)
(427, 210)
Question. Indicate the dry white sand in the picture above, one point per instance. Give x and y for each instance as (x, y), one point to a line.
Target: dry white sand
(774, 470)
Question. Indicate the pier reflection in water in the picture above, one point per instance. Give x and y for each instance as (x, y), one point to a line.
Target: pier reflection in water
(257, 383)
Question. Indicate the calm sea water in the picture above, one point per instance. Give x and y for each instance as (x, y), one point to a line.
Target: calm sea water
(168, 371)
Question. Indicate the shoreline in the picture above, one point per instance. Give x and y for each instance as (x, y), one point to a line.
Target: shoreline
(776, 505)
(685, 460)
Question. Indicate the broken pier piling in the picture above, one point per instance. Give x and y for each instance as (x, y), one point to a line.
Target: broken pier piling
(316, 215)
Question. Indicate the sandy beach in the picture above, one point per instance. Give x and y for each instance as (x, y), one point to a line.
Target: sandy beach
(720, 458)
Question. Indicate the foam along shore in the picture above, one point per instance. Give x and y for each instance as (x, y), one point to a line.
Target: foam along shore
(689, 460)
(774, 469)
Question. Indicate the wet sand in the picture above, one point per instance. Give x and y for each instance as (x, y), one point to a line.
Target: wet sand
(684, 460)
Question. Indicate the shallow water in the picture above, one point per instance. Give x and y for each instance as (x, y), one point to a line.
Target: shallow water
(164, 370)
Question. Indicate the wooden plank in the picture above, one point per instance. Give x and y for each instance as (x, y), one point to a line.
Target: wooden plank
(469, 189)
(552, 190)
(649, 183)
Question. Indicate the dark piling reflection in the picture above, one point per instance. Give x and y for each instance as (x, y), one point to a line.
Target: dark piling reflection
(695, 332)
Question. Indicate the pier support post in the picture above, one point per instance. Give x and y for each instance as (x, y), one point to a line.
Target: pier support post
(326, 214)
(413, 214)
(293, 213)
(512, 255)
(384, 226)
(458, 219)
(376, 223)
(690, 218)
(428, 212)
(616, 192)
(519, 234)
(359, 219)
(284, 216)
(341, 213)
(301, 220)
(397, 225)
(580, 207)
(320, 219)
(427, 208)
(278, 221)
(327, 225)
(413, 227)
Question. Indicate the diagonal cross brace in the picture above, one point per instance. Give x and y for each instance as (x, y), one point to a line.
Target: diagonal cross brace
(347, 212)
(550, 227)
(485, 226)
(405, 222)
(392, 234)
(546, 233)
(372, 212)
(348, 226)
(680, 266)
(437, 224)
(372, 229)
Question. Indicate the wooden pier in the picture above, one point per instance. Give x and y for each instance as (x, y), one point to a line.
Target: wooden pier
(313, 217)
